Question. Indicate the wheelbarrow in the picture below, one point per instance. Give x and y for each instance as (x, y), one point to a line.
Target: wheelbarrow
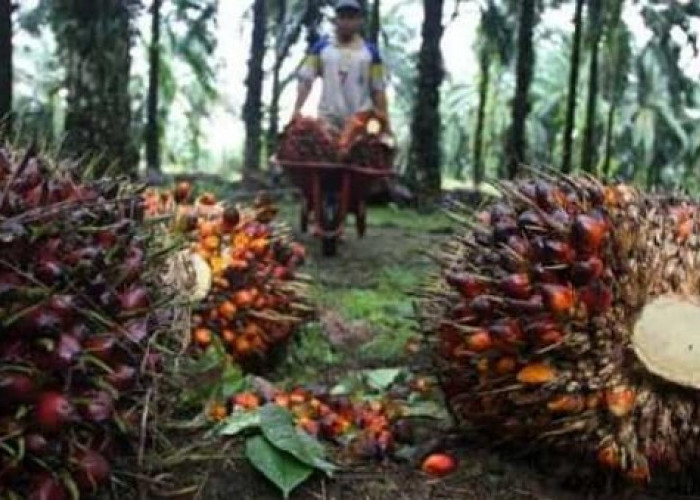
(329, 192)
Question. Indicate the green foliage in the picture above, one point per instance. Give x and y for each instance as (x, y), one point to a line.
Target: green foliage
(284, 454)
(282, 469)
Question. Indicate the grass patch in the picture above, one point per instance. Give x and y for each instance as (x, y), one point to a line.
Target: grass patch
(404, 218)
(385, 307)
(307, 355)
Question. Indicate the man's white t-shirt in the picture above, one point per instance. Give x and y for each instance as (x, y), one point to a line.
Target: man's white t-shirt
(350, 72)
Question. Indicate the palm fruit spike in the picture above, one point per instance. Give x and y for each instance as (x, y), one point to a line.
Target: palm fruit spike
(596, 285)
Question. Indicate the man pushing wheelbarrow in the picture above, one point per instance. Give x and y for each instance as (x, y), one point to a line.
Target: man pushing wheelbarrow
(338, 158)
(349, 66)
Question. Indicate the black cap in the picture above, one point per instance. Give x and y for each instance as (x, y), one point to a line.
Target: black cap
(349, 5)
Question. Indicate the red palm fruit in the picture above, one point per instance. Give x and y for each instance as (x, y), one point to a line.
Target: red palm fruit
(544, 274)
(482, 306)
(555, 252)
(102, 347)
(63, 305)
(246, 400)
(545, 194)
(53, 411)
(182, 192)
(533, 305)
(36, 443)
(559, 299)
(97, 406)
(134, 298)
(439, 464)
(123, 377)
(620, 401)
(136, 330)
(588, 233)
(550, 337)
(63, 353)
(568, 403)
(597, 297)
(309, 426)
(467, 284)
(46, 487)
(504, 229)
(536, 374)
(517, 286)
(17, 387)
(507, 330)
(505, 365)
(531, 220)
(91, 469)
(639, 473)
(519, 245)
(207, 199)
(684, 229)
(231, 218)
(584, 271)
(479, 341)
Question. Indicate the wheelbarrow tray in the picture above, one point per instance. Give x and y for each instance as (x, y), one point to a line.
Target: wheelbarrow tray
(351, 182)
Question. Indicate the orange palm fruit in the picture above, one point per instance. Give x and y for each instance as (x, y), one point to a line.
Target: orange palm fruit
(202, 337)
(439, 464)
(227, 310)
(535, 374)
(620, 401)
(211, 243)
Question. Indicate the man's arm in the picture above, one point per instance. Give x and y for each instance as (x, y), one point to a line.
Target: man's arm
(380, 101)
(378, 84)
(303, 91)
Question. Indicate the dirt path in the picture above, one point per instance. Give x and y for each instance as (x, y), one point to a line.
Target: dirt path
(366, 287)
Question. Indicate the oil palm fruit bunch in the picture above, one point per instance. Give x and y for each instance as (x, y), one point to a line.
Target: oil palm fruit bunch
(366, 142)
(257, 298)
(248, 290)
(366, 427)
(307, 140)
(564, 315)
(79, 307)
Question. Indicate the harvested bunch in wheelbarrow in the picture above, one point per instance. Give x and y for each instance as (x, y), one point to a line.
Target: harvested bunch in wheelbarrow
(80, 305)
(365, 141)
(566, 315)
(307, 140)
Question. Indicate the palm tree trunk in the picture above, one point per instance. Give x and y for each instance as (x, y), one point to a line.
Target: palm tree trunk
(252, 109)
(273, 126)
(5, 67)
(573, 85)
(610, 125)
(424, 154)
(375, 22)
(588, 150)
(481, 113)
(615, 85)
(94, 42)
(152, 132)
(521, 102)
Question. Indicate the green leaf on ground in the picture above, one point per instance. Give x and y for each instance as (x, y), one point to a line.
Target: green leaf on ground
(278, 427)
(240, 421)
(232, 380)
(285, 471)
(382, 378)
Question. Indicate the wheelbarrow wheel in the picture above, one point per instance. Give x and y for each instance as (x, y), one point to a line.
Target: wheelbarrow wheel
(329, 214)
(361, 219)
(304, 217)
